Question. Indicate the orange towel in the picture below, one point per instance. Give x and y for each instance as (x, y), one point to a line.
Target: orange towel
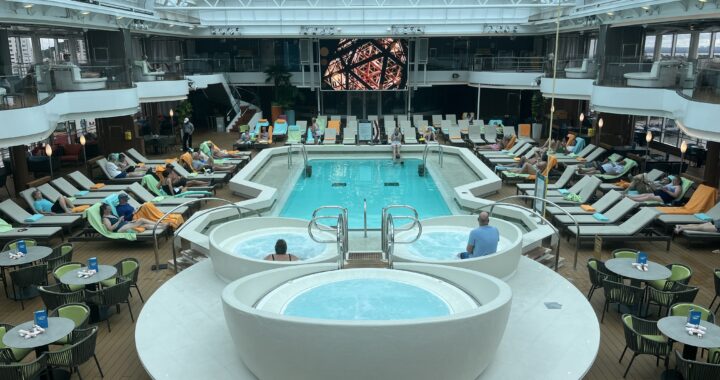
(169, 160)
(97, 186)
(141, 164)
(552, 162)
(570, 140)
(587, 208)
(622, 184)
(187, 159)
(703, 199)
(581, 159)
(80, 208)
(511, 143)
(516, 158)
(139, 229)
(524, 130)
(150, 212)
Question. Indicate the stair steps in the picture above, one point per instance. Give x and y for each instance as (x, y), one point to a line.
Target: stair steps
(365, 260)
(187, 258)
(545, 256)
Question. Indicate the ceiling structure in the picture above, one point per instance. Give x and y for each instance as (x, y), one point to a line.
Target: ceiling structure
(372, 18)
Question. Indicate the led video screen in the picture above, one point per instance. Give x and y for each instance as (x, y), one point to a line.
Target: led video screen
(364, 64)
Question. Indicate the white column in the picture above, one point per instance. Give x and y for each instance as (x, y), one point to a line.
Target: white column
(694, 44)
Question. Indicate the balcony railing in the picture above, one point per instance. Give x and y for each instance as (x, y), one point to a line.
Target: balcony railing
(511, 64)
(707, 82)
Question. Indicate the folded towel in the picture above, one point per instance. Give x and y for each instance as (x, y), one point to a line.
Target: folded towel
(587, 208)
(139, 229)
(572, 197)
(5, 226)
(600, 217)
(622, 184)
(563, 191)
(632, 192)
(704, 217)
(33, 218)
(516, 158)
(81, 193)
(141, 164)
(192, 175)
(80, 208)
(581, 159)
(97, 186)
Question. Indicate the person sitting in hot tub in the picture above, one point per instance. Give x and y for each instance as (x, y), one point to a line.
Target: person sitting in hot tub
(281, 253)
(483, 240)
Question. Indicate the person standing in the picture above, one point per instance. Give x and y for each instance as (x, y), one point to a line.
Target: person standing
(483, 240)
(188, 129)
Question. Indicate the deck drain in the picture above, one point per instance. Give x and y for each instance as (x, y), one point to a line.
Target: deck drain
(392, 184)
(339, 184)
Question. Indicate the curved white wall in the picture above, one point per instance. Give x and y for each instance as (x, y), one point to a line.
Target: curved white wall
(580, 89)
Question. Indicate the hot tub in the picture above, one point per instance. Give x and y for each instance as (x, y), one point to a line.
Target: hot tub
(238, 247)
(455, 335)
(444, 238)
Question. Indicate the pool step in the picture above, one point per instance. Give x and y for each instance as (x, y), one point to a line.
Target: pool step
(365, 260)
(545, 256)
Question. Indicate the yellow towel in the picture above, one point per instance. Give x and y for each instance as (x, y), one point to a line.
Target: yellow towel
(516, 158)
(141, 164)
(524, 130)
(622, 184)
(511, 143)
(703, 199)
(587, 208)
(80, 208)
(139, 229)
(187, 159)
(150, 212)
(97, 186)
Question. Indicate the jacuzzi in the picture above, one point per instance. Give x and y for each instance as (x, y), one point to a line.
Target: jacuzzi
(275, 342)
(238, 247)
(444, 237)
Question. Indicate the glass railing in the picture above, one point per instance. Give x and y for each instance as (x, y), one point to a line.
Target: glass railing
(447, 63)
(512, 64)
(65, 77)
(667, 74)
(231, 65)
(18, 91)
(157, 70)
(579, 68)
(707, 82)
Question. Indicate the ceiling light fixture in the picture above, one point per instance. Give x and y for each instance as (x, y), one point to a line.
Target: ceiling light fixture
(27, 6)
(85, 13)
(119, 17)
(610, 13)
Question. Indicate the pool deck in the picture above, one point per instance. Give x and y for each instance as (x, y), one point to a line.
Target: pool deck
(181, 331)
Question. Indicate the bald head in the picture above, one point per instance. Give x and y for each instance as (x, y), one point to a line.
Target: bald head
(484, 218)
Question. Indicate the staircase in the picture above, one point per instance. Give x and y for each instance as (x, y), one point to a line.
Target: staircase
(246, 114)
(544, 256)
(365, 260)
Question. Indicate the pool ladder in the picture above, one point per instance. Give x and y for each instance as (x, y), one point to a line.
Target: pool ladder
(440, 151)
(302, 149)
(388, 229)
(340, 229)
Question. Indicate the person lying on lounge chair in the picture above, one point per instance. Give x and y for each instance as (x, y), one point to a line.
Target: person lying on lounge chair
(713, 226)
(529, 168)
(118, 169)
(429, 135)
(213, 151)
(606, 167)
(119, 224)
(642, 184)
(147, 211)
(498, 146)
(61, 206)
(174, 184)
(201, 162)
(666, 195)
(263, 136)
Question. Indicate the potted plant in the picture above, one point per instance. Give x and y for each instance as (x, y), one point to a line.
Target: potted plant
(537, 108)
(283, 91)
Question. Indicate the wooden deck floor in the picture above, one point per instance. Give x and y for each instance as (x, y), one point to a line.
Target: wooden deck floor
(116, 349)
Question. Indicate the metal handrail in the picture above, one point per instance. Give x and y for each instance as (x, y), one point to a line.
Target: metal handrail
(440, 151)
(302, 150)
(229, 204)
(365, 216)
(389, 248)
(387, 233)
(544, 221)
(341, 229)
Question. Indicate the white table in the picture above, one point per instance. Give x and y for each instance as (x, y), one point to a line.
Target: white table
(624, 267)
(674, 328)
(34, 253)
(104, 272)
(58, 328)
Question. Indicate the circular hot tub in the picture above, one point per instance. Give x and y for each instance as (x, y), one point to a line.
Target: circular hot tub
(417, 321)
(239, 247)
(444, 238)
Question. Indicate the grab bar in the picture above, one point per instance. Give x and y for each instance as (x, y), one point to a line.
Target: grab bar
(341, 230)
(427, 150)
(365, 217)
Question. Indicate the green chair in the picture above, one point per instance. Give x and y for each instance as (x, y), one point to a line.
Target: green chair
(683, 310)
(10, 355)
(127, 269)
(77, 312)
(598, 273)
(64, 268)
(24, 371)
(714, 355)
(62, 254)
(12, 245)
(717, 289)
(694, 370)
(113, 295)
(54, 296)
(79, 351)
(678, 293)
(643, 337)
(617, 292)
(625, 253)
(28, 278)
(680, 273)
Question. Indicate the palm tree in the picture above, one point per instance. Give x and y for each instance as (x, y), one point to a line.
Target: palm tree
(280, 77)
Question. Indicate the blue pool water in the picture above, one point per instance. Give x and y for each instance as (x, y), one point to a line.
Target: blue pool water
(300, 245)
(347, 182)
(379, 300)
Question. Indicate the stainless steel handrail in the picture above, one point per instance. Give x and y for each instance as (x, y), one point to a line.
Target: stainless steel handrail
(544, 221)
(427, 150)
(229, 204)
(302, 150)
(389, 248)
(365, 217)
(341, 230)
(387, 233)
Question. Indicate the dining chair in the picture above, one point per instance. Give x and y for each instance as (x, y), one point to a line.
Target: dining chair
(678, 293)
(617, 292)
(54, 296)
(25, 370)
(27, 278)
(643, 337)
(79, 351)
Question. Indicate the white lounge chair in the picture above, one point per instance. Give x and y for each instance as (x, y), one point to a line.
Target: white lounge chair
(510, 160)
(408, 131)
(601, 205)
(144, 73)
(86, 184)
(350, 133)
(69, 190)
(475, 135)
(662, 74)
(437, 120)
(19, 216)
(585, 193)
(633, 229)
(451, 118)
(330, 136)
(508, 130)
(587, 70)
(102, 162)
(612, 215)
(69, 78)
(418, 120)
(454, 135)
(564, 178)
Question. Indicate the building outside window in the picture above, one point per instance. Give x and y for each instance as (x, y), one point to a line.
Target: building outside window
(649, 47)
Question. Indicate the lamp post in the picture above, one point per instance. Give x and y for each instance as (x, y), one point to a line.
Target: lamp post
(648, 138)
(172, 125)
(683, 149)
(582, 118)
(601, 122)
(83, 141)
(48, 152)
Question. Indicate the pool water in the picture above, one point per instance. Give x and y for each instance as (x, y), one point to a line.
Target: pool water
(381, 182)
(379, 299)
(260, 245)
(445, 245)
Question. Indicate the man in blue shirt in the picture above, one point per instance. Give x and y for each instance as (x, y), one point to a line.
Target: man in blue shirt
(483, 240)
(123, 208)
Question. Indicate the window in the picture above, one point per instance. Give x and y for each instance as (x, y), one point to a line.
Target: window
(21, 54)
(666, 45)
(716, 49)
(650, 47)
(592, 48)
(48, 49)
(704, 45)
(80, 51)
(682, 45)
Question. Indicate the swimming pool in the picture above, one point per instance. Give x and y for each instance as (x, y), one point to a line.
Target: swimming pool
(259, 245)
(446, 245)
(381, 182)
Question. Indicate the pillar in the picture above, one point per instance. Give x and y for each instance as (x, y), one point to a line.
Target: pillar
(694, 44)
(5, 64)
(20, 173)
(600, 53)
(711, 175)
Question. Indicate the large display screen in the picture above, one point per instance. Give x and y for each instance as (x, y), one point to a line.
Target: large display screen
(364, 64)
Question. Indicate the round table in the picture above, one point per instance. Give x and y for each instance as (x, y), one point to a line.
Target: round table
(674, 328)
(58, 328)
(104, 272)
(33, 254)
(624, 268)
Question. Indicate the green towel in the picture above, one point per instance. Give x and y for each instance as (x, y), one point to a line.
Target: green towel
(572, 197)
(92, 214)
(192, 175)
(151, 183)
(5, 226)
(205, 149)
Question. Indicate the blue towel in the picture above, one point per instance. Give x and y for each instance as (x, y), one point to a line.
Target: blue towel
(563, 191)
(81, 193)
(600, 217)
(704, 217)
(34, 218)
(579, 145)
(632, 192)
(112, 200)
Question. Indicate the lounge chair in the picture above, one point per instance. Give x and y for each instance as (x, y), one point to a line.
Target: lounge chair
(702, 200)
(335, 125)
(86, 184)
(697, 218)
(418, 121)
(464, 126)
(302, 127)
(685, 186)
(96, 230)
(583, 196)
(330, 136)
(572, 156)
(350, 133)
(475, 135)
(509, 175)
(564, 178)
(22, 217)
(454, 135)
(652, 175)
(144, 195)
(294, 135)
(629, 165)
(213, 178)
(611, 216)
(151, 184)
(634, 229)
(451, 118)
(69, 190)
(9, 233)
(138, 157)
(562, 191)
(489, 133)
(388, 128)
(437, 121)
(335, 117)
(511, 160)
(601, 205)
(408, 131)
(102, 162)
(280, 128)
(351, 119)
(512, 148)
(508, 130)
